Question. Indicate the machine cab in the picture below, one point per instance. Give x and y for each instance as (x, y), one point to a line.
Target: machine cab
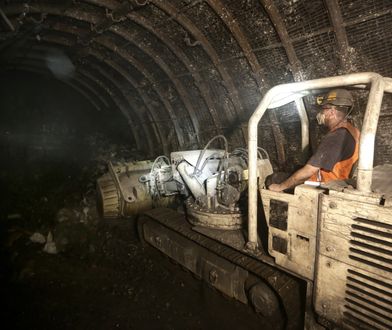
(337, 237)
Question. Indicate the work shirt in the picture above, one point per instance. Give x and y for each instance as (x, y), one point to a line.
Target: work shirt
(337, 153)
(334, 147)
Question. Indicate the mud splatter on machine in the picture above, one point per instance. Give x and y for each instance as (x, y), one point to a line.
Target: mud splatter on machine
(319, 257)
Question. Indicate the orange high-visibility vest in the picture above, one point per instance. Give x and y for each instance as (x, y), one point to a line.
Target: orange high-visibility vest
(342, 169)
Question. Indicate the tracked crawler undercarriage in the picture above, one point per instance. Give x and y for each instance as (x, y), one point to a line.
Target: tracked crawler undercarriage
(273, 293)
(319, 257)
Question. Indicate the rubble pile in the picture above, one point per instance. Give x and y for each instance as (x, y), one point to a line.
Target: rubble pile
(60, 213)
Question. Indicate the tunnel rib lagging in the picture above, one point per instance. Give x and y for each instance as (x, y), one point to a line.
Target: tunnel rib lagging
(32, 64)
(229, 84)
(141, 21)
(121, 90)
(216, 62)
(189, 26)
(209, 49)
(113, 47)
(184, 96)
(114, 66)
(166, 104)
(109, 16)
(258, 71)
(152, 82)
(200, 83)
(227, 79)
(102, 58)
(182, 92)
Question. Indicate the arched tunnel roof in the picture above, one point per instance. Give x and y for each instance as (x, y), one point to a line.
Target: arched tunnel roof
(181, 71)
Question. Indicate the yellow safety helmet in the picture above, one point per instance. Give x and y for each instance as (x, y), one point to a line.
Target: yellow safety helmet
(339, 97)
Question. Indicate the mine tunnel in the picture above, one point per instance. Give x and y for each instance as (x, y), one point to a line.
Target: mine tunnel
(90, 85)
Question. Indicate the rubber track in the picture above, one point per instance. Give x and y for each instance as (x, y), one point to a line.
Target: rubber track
(286, 286)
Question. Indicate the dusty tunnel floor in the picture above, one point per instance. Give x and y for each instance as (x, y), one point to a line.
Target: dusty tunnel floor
(101, 276)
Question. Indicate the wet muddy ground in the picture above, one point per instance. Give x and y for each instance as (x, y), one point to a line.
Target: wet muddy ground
(102, 277)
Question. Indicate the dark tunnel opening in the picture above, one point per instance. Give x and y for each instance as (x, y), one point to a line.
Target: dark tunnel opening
(54, 145)
(51, 136)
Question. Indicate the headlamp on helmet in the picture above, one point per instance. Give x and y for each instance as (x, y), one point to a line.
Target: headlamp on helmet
(338, 97)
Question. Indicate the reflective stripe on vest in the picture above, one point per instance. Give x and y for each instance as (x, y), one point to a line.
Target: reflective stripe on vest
(342, 169)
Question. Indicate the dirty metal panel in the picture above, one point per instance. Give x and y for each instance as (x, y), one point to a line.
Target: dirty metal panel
(352, 298)
(279, 244)
(353, 285)
(293, 243)
(348, 223)
(278, 214)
